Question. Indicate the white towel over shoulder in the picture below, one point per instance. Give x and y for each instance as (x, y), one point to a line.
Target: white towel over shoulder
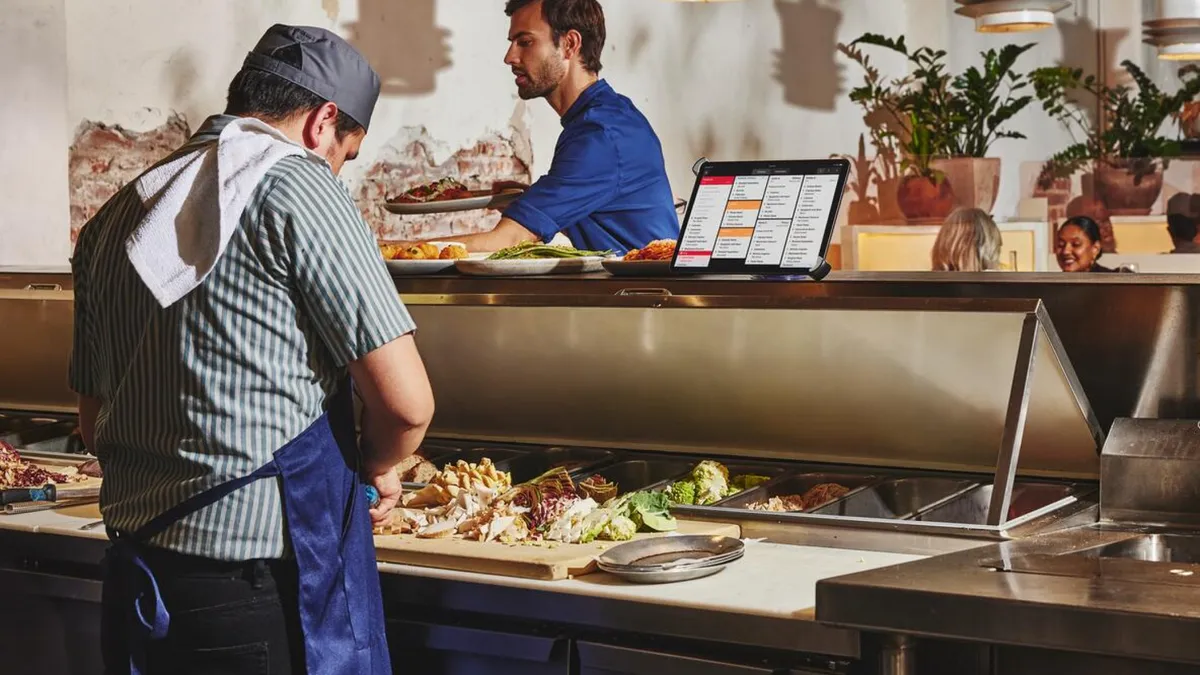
(195, 202)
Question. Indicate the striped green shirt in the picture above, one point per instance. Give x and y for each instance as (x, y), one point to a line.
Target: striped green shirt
(206, 390)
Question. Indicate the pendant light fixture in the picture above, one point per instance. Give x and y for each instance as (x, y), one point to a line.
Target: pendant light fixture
(1010, 16)
(1175, 30)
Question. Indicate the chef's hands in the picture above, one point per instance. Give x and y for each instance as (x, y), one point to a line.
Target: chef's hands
(504, 185)
(390, 489)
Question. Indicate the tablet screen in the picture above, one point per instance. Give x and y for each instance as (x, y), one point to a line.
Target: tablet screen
(760, 217)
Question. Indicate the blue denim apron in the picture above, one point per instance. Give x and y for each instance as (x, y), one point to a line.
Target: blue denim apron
(324, 503)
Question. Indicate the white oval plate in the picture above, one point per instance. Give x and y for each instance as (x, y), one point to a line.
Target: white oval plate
(529, 267)
(487, 200)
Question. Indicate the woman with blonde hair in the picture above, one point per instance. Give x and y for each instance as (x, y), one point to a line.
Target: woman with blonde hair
(969, 241)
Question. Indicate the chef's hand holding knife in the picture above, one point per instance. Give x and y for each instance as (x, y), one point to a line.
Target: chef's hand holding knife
(397, 407)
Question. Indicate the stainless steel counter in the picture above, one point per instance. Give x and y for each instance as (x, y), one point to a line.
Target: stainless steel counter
(961, 596)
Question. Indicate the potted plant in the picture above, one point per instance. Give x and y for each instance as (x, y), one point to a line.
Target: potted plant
(962, 115)
(1127, 155)
(923, 193)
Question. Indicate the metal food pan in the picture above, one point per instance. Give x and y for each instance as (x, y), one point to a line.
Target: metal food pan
(798, 484)
(1029, 500)
(897, 498)
(574, 460)
(638, 474)
(25, 436)
(501, 456)
(738, 468)
(438, 453)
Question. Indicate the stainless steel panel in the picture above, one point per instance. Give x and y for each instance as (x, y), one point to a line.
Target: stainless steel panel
(600, 659)
(1167, 548)
(528, 467)
(1151, 473)
(1029, 500)
(35, 349)
(894, 383)
(897, 498)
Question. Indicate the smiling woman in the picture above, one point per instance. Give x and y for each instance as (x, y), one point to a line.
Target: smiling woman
(1077, 246)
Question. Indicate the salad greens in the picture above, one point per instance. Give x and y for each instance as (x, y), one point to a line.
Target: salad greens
(532, 249)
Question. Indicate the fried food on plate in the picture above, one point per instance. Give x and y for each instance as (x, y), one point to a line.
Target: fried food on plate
(661, 249)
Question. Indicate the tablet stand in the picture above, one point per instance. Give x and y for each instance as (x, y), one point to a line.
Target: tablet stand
(817, 273)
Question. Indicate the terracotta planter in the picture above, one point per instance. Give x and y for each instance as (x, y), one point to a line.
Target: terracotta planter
(922, 199)
(1125, 193)
(974, 180)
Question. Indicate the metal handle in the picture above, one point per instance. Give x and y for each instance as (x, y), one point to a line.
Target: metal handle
(643, 291)
(43, 287)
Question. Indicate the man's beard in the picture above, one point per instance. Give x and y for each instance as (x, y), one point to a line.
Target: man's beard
(541, 83)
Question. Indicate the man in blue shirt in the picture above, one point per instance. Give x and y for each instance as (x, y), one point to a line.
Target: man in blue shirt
(607, 186)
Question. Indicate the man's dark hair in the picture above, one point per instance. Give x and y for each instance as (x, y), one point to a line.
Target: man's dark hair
(585, 16)
(1181, 227)
(262, 94)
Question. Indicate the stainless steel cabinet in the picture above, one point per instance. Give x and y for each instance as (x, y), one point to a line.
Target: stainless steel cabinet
(598, 659)
(49, 624)
(438, 649)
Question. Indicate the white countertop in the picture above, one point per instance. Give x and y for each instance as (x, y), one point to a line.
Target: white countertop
(772, 580)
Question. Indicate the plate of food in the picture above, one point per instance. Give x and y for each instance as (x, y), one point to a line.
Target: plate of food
(448, 195)
(534, 258)
(428, 257)
(654, 260)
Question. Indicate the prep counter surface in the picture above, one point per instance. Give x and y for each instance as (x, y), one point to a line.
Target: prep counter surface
(767, 599)
(962, 596)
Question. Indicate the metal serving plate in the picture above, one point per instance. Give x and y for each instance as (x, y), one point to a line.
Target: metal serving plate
(673, 558)
(897, 498)
(638, 474)
(797, 484)
(574, 460)
(1029, 500)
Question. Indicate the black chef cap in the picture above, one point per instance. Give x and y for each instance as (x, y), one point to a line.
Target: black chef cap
(329, 68)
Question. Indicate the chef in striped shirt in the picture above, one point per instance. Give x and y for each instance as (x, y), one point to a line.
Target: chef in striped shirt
(224, 301)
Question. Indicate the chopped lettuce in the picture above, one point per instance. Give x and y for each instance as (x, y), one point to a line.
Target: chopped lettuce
(651, 511)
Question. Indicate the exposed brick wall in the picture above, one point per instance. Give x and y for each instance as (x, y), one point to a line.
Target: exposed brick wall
(105, 157)
(409, 159)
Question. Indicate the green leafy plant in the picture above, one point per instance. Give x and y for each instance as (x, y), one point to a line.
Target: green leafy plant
(1134, 115)
(931, 113)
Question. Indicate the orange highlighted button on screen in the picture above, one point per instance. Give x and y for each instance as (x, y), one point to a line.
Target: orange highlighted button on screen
(737, 232)
(743, 206)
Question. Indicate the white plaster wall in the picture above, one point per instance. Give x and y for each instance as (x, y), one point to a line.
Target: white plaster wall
(33, 134)
(704, 74)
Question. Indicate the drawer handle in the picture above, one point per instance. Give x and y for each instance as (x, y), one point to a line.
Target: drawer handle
(44, 287)
(644, 291)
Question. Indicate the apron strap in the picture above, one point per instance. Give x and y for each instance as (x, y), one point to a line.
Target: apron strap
(198, 501)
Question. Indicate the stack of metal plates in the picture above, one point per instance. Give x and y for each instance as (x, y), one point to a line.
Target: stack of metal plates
(661, 560)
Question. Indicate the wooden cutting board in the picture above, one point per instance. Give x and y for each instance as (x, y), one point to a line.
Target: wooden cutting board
(547, 562)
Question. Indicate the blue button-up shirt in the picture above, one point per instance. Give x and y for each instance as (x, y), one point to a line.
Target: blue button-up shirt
(607, 187)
